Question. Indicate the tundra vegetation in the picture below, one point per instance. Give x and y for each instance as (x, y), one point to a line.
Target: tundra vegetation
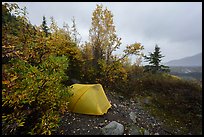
(39, 63)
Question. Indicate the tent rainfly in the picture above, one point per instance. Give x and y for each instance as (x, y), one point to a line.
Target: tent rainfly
(88, 99)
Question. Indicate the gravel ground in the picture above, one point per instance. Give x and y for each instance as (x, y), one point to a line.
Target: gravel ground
(81, 124)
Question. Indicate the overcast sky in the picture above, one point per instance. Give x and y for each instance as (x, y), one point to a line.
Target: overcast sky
(175, 26)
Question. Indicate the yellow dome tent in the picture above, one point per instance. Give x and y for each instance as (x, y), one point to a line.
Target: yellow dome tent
(88, 99)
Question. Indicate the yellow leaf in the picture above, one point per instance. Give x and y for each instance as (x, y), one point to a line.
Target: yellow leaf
(5, 82)
(21, 124)
(4, 103)
(14, 78)
(49, 132)
(3, 117)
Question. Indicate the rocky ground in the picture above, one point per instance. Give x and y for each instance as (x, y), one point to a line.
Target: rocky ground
(129, 113)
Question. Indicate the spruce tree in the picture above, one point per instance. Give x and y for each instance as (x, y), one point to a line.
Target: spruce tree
(44, 26)
(154, 60)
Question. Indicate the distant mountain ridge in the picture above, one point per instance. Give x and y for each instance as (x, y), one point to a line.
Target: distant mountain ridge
(195, 60)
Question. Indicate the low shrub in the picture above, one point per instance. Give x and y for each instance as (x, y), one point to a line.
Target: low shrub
(33, 96)
(175, 100)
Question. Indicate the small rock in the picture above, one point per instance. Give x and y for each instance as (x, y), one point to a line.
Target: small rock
(75, 81)
(121, 105)
(198, 115)
(134, 131)
(132, 101)
(115, 105)
(153, 125)
(146, 132)
(146, 101)
(127, 104)
(113, 128)
(101, 124)
(133, 116)
(121, 97)
(156, 134)
(139, 106)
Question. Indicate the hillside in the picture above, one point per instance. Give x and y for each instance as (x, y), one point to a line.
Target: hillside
(155, 110)
(195, 60)
(187, 72)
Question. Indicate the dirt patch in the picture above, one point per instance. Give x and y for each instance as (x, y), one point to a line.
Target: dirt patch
(81, 124)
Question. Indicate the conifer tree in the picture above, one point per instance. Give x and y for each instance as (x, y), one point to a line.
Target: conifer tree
(44, 26)
(75, 34)
(154, 60)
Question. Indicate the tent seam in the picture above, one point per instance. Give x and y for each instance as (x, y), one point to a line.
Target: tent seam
(78, 99)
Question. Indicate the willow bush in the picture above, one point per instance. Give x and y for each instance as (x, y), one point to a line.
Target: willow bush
(33, 96)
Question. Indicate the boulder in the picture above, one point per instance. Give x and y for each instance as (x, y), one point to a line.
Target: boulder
(113, 128)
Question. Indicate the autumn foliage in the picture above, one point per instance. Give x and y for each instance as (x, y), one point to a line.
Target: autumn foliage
(40, 62)
(34, 67)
